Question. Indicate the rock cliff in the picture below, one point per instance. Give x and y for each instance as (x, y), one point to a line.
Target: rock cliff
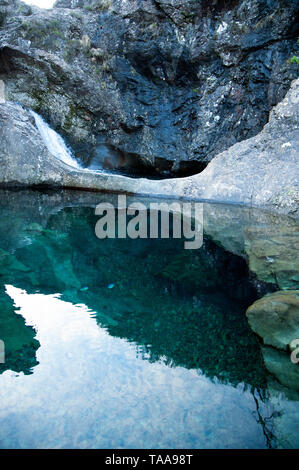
(155, 86)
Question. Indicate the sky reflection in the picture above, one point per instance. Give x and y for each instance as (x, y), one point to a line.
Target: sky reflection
(90, 390)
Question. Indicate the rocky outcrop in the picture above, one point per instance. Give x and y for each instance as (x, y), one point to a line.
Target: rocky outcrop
(228, 226)
(24, 158)
(261, 171)
(275, 318)
(153, 85)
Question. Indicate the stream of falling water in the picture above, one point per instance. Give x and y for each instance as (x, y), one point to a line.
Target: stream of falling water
(54, 142)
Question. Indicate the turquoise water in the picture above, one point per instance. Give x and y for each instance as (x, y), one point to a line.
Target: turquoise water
(123, 343)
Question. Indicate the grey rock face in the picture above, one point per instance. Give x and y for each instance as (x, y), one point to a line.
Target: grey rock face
(154, 84)
(260, 172)
(24, 159)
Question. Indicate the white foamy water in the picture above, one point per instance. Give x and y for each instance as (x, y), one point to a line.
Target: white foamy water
(40, 3)
(54, 142)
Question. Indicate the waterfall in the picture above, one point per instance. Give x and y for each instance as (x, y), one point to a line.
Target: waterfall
(54, 142)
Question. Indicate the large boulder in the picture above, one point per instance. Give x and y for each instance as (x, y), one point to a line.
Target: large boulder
(281, 366)
(275, 318)
(151, 85)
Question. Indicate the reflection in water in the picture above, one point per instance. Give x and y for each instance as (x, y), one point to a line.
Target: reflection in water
(128, 343)
(90, 390)
(185, 306)
(19, 340)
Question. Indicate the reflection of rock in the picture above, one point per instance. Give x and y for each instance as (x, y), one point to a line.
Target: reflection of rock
(280, 365)
(18, 338)
(211, 269)
(230, 226)
(9, 263)
(285, 414)
(273, 254)
(58, 224)
(169, 317)
(49, 258)
(275, 318)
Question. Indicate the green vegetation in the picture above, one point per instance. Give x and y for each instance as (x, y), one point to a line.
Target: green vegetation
(295, 58)
(72, 50)
(70, 118)
(100, 5)
(43, 33)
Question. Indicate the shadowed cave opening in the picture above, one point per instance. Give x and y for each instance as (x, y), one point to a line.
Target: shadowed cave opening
(108, 157)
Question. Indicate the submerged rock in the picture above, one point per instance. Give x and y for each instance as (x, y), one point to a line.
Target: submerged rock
(273, 254)
(281, 366)
(275, 318)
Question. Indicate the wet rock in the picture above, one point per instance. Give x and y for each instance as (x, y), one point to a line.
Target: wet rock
(24, 157)
(275, 318)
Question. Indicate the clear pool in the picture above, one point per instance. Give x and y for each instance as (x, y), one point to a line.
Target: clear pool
(123, 343)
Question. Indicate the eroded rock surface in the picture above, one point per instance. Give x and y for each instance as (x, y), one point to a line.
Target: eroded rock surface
(275, 318)
(152, 85)
(261, 171)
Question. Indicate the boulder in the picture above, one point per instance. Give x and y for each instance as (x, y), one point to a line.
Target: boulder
(275, 318)
(158, 86)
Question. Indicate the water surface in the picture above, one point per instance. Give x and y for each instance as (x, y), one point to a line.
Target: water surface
(132, 343)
